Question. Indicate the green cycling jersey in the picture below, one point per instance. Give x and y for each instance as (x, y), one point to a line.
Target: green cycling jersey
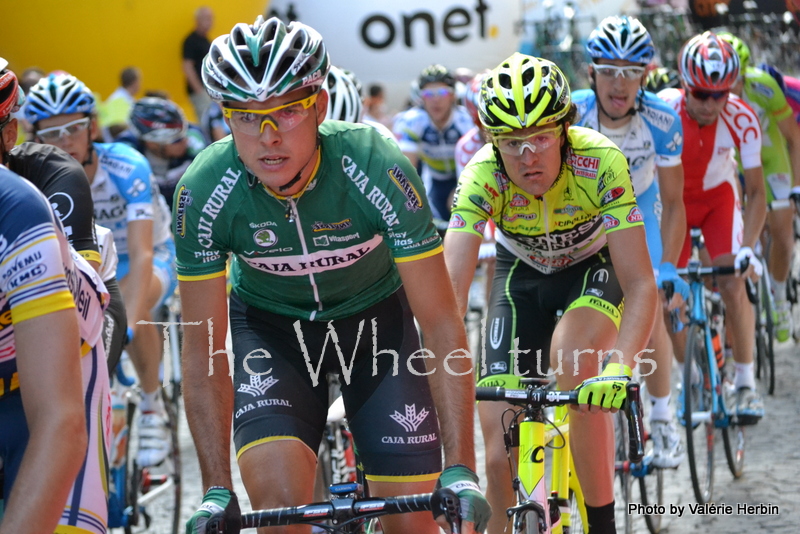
(325, 253)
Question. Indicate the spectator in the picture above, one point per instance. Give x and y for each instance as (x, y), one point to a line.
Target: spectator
(375, 105)
(117, 107)
(195, 48)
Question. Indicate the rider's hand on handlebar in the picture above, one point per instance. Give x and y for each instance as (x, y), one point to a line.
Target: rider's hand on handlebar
(668, 273)
(219, 513)
(754, 268)
(475, 509)
(606, 390)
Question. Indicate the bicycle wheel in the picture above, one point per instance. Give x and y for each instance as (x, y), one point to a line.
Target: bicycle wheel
(155, 492)
(769, 333)
(733, 436)
(697, 416)
(651, 487)
(529, 522)
(622, 471)
(577, 526)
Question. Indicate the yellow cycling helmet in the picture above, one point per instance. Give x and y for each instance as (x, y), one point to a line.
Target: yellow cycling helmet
(523, 91)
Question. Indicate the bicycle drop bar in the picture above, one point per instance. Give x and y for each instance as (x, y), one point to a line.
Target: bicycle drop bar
(342, 510)
(543, 397)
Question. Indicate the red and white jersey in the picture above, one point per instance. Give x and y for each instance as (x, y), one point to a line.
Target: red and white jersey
(467, 146)
(709, 152)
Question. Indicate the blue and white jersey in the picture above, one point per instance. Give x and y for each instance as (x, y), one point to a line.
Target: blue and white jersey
(436, 148)
(654, 138)
(124, 190)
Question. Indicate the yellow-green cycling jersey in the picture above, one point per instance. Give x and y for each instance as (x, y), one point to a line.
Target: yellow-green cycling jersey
(592, 196)
(764, 95)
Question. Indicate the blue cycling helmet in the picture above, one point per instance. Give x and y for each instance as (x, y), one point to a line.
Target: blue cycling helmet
(621, 37)
(58, 94)
(773, 71)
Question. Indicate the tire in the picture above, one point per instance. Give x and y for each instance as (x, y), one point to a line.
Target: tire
(156, 492)
(576, 519)
(770, 335)
(651, 488)
(622, 472)
(528, 523)
(733, 438)
(701, 459)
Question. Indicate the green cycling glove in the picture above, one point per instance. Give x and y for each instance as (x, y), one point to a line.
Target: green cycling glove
(464, 482)
(221, 505)
(608, 389)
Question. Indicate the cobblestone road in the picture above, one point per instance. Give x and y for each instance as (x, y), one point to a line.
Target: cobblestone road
(772, 470)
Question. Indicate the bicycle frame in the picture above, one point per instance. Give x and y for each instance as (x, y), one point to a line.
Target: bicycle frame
(697, 315)
(553, 512)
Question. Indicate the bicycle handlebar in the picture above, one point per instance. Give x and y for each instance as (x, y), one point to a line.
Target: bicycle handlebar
(542, 398)
(342, 510)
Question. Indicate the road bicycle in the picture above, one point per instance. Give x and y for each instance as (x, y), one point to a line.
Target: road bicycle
(530, 432)
(760, 295)
(141, 496)
(348, 510)
(707, 389)
(336, 459)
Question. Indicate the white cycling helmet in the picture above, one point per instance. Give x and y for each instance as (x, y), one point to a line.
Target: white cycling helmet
(344, 93)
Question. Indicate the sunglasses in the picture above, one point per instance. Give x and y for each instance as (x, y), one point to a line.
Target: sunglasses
(439, 92)
(54, 134)
(705, 95)
(631, 72)
(281, 118)
(536, 142)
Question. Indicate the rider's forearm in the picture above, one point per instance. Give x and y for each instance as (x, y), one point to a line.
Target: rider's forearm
(208, 401)
(453, 395)
(673, 231)
(136, 287)
(755, 213)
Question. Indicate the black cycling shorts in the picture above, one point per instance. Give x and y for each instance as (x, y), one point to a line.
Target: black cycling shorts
(281, 391)
(523, 305)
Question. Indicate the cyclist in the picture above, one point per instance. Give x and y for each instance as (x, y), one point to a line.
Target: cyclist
(662, 78)
(428, 133)
(159, 130)
(62, 111)
(560, 246)
(780, 159)
(344, 100)
(715, 125)
(53, 376)
(323, 220)
(63, 181)
(649, 133)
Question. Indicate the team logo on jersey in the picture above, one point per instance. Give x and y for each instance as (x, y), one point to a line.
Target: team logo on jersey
(62, 204)
(660, 119)
(635, 215)
(568, 193)
(136, 188)
(184, 200)
(502, 181)
(677, 142)
(411, 419)
(519, 201)
(482, 204)
(479, 226)
(594, 291)
(584, 165)
(265, 238)
(321, 241)
(457, 221)
(605, 179)
(569, 209)
(413, 200)
(609, 221)
(489, 189)
(341, 225)
(525, 216)
(612, 195)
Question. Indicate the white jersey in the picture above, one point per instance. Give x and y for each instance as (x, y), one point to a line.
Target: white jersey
(654, 137)
(124, 190)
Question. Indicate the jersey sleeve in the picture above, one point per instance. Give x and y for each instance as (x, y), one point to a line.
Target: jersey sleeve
(200, 253)
(774, 99)
(133, 177)
(478, 194)
(31, 269)
(412, 235)
(615, 194)
(63, 181)
(667, 130)
(743, 121)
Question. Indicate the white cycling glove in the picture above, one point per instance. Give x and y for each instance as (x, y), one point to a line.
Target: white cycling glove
(747, 252)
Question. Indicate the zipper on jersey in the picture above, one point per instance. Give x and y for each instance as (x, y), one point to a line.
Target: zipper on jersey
(292, 215)
(547, 231)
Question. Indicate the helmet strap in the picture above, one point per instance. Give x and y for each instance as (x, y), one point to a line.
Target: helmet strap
(290, 183)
